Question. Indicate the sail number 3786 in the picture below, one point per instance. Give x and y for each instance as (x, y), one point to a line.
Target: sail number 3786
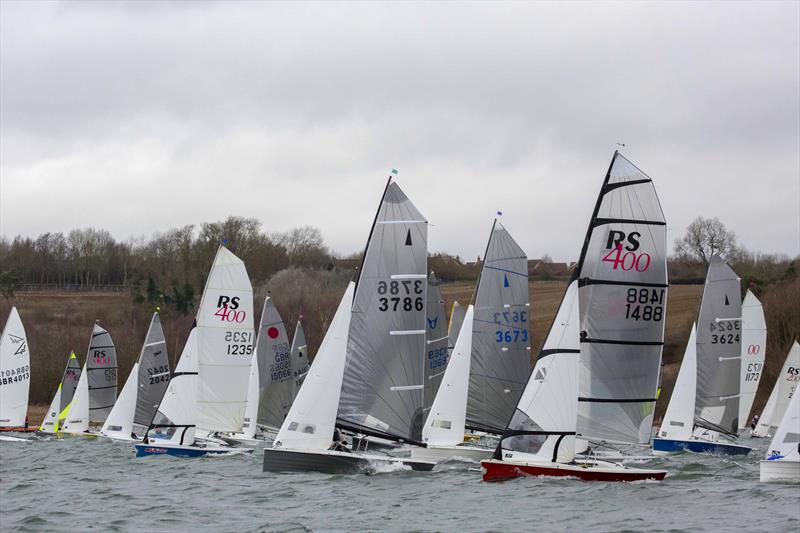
(404, 294)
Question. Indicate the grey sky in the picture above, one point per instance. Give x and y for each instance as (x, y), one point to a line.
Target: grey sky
(138, 117)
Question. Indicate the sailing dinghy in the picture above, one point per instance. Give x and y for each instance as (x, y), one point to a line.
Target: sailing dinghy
(702, 415)
(62, 400)
(143, 390)
(208, 391)
(781, 393)
(77, 420)
(597, 373)
(783, 457)
(368, 376)
(15, 375)
(754, 344)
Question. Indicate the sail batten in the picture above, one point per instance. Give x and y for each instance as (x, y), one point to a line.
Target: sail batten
(622, 283)
(386, 341)
(501, 360)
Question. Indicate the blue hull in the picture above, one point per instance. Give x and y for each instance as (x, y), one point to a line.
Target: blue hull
(698, 446)
(143, 450)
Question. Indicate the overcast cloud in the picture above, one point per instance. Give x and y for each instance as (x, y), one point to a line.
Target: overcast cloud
(139, 117)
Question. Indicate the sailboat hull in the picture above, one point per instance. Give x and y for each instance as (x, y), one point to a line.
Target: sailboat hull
(780, 470)
(494, 470)
(451, 453)
(143, 450)
(666, 446)
(333, 462)
(17, 429)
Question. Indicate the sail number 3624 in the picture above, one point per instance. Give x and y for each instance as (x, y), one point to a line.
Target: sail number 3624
(404, 294)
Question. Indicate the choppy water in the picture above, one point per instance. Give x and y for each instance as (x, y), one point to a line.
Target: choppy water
(81, 484)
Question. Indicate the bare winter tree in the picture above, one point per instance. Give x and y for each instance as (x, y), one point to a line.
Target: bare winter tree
(704, 238)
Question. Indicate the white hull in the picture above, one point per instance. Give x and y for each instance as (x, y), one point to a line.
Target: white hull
(780, 470)
(451, 453)
(333, 462)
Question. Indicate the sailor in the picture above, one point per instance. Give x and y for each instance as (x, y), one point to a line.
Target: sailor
(754, 423)
(339, 443)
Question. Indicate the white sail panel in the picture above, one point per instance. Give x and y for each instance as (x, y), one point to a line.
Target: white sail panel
(446, 421)
(276, 382)
(15, 372)
(678, 422)
(785, 444)
(719, 350)
(754, 347)
(50, 421)
(622, 275)
(299, 358)
(225, 344)
(175, 420)
(544, 421)
(77, 419)
(382, 389)
(251, 409)
(454, 327)
(154, 373)
(311, 419)
(119, 423)
(501, 356)
(62, 400)
(785, 386)
(436, 339)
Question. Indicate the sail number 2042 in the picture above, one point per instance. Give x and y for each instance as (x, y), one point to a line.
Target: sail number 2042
(645, 304)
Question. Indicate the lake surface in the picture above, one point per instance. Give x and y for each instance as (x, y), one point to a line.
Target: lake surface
(78, 484)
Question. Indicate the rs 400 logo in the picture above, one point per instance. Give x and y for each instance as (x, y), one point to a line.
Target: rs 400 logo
(624, 252)
(228, 309)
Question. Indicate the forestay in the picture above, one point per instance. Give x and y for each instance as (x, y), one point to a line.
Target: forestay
(153, 373)
(15, 372)
(224, 345)
(445, 424)
(544, 421)
(436, 339)
(382, 390)
(678, 422)
(175, 420)
(501, 357)
(754, 344)
(311, 419)
(101, 365)
(299, 358)
(622, 279)
(719, 350)
(62, 400)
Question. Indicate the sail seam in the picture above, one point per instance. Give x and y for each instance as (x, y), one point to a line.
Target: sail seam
(602, 221)
(627, 343)
(582, 282)
(616, 400)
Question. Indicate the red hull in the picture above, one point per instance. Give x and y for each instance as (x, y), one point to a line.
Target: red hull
(500, 471)
(18, 429)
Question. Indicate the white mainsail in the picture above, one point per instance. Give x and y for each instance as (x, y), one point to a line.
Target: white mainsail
(544, 421)
(224, 345)
(15, 372)
(154, 374)
(781, 393)
(175, 420)
(251, 409)
(299, 358)
(785, 444)
(622, 280)
(754, 344)
(77, 420)
(119, 424)
(276, 382)
(446, 421)
(678, 422)
(312, 417)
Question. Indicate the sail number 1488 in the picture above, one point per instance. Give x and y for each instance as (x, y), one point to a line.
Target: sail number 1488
(645, 304)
